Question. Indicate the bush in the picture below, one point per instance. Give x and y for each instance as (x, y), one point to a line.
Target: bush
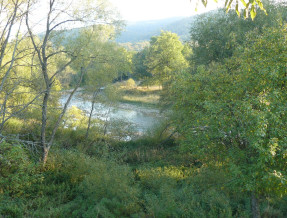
(18, 178)
(78, 185)
(130, 83)
(171, 192)
(17, 172)
(110, 189)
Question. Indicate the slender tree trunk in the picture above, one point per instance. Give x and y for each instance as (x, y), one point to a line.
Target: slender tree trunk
(91, 115)
(44, 125)
(255, 206)
(106, 123)
(45, 155)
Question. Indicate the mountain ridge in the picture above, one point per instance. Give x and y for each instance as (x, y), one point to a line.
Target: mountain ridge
(143, 30)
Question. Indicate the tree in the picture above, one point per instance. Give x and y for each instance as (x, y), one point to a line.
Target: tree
(59, 14)
(216, 35)
(22, 86)
(232, 115)
(124, 62)
(100, 74)
(139, 67)
(165, 56)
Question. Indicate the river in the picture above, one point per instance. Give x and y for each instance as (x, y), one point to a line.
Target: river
(141, 117)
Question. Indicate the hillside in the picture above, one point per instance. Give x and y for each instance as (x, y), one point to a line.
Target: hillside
(143, 30)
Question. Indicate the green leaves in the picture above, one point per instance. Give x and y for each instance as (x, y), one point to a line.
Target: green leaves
(228, 114)
(253, 12)
(229, 5)
(165, 56)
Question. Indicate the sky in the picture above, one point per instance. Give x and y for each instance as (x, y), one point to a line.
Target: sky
(135, 10)
(138, 10)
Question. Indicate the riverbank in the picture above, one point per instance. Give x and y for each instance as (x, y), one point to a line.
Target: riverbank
(147, 96)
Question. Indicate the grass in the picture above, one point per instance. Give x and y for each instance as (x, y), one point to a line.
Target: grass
(148, 99)
(140, 95)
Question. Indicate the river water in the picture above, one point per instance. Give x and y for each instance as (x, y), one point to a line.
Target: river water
(142, 118)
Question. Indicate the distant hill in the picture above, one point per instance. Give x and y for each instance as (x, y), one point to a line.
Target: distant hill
(143, 30)
(137, 35)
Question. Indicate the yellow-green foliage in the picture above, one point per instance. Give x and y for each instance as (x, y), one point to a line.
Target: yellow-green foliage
(149, 99)
(140, 94)
(75, 118)
(15, 125)
(130, 83)
(20, 126)
(153, 178)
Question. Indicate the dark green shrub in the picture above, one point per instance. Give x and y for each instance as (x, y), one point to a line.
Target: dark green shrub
(17, 172)
(78, 185)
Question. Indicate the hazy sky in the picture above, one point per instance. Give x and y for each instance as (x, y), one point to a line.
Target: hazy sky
(135, 10)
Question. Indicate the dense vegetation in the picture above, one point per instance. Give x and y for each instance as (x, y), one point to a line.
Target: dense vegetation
(220, 149)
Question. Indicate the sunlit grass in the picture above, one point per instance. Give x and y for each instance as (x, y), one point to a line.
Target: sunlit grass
(173, 172)
(149, 95)
(148, 99)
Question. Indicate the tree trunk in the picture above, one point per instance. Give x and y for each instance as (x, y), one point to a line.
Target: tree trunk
(45, 155)
(44, 125)
(91, 113)
(255, 206)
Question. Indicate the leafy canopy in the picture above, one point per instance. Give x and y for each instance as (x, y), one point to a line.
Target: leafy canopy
(233, 115)
(165, 56)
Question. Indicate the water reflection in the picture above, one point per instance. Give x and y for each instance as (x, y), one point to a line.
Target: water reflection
(141, 117)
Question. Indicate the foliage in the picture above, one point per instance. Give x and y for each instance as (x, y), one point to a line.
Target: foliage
(216, 35)
(130, 83)
(17, 172)
(96, 186)
(135, 46)
(223, 145)
(74, 118)
(165, 57)
(124, 63)
(249, 6)
(173, 191)
(139, 67)
(233, 115)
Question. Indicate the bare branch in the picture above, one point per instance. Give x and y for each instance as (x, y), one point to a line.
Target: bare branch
(3, 47)
(12, 62)
(31, 36)
(59, 24)
(55, 53)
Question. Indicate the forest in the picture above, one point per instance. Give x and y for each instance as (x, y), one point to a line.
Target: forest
(173, 128)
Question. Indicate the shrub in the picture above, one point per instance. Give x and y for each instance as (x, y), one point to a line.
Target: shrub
(130, 83)
(17, 172)
(18, 176)
(88, 187)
